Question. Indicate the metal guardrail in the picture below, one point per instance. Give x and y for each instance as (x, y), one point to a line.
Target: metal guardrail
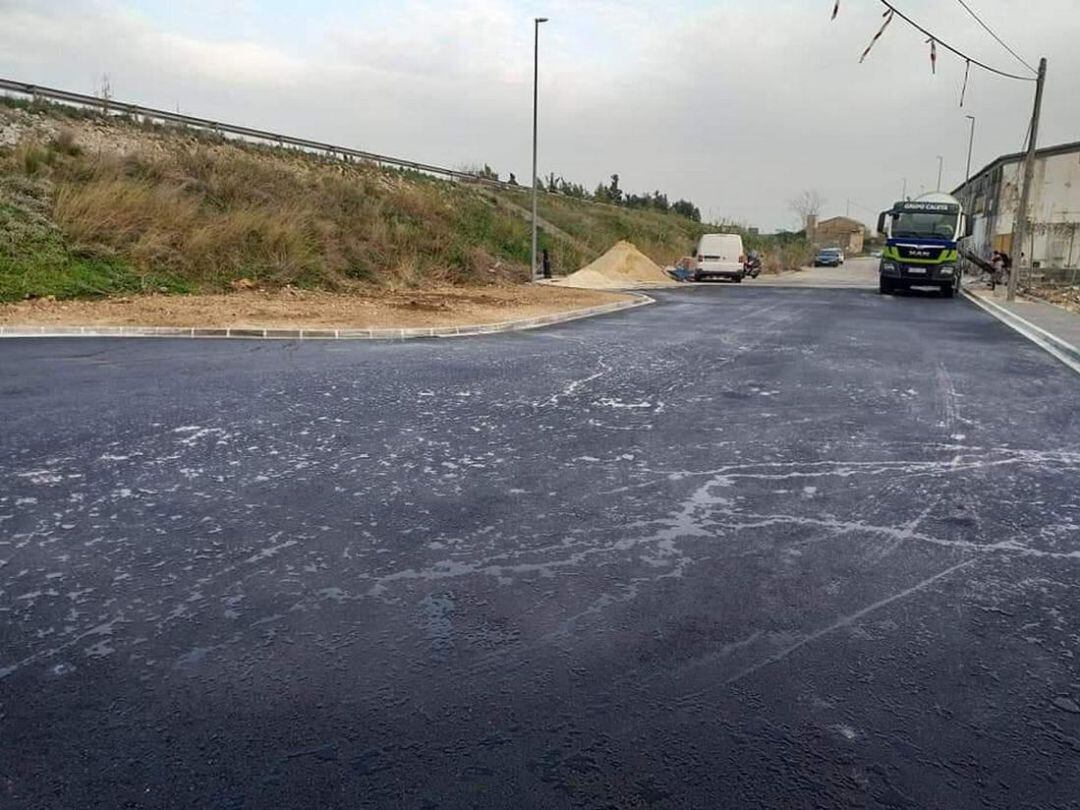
(108, 106)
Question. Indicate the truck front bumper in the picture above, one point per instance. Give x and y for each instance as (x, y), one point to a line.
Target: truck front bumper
(920, 273)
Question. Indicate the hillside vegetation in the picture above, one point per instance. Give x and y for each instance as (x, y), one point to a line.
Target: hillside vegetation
(93, 206)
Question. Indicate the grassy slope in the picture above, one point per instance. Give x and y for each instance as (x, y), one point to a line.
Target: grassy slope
(595, 227)
(181, 212)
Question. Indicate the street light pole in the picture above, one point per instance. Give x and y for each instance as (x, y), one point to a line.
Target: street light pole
(536, 99)
(1020, 229)
(971, 146)
(940, 169)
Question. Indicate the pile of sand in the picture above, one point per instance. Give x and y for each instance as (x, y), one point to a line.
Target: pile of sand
(621, 267)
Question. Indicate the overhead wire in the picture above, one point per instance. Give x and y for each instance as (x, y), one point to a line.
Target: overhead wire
(1000, 41)
(950, 48)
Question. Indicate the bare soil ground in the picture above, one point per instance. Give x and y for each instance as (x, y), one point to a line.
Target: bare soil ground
(1064, 297)
(293, 308)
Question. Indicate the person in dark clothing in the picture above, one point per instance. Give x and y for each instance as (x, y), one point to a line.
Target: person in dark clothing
(546, 264)
(1002, 266)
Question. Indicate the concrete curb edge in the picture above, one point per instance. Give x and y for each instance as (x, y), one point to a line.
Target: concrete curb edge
(639, 300)
(1065, 352)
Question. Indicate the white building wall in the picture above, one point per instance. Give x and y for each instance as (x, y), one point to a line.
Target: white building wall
(1055, 209)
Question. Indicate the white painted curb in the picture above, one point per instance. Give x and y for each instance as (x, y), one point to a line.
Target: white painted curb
(640, 300)
(1065, 352)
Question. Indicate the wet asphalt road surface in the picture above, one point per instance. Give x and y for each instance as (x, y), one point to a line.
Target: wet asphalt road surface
(746, 547)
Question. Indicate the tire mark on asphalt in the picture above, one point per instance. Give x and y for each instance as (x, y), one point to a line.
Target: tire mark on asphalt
(846, 621)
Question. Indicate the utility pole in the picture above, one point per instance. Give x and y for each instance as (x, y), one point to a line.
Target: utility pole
(903, 194)
(940, 169)
(849, 208)
(536, 100)
(1020, 229)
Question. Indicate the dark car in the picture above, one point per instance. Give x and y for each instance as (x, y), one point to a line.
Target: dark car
(829, 257)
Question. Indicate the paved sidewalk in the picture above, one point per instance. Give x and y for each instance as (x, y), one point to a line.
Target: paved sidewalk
(1059, 322)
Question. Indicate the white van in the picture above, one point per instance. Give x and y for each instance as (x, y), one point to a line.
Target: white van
(719, 255)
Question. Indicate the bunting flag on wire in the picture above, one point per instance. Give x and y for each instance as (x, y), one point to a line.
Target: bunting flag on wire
(836, 9)
(933, 55)
(888, 15)
(963, 92)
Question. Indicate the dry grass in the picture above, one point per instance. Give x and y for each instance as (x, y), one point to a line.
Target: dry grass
(164, 209)
(212, 214)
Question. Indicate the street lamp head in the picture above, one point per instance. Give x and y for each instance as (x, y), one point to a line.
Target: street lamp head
(541, 20)
(970, 117)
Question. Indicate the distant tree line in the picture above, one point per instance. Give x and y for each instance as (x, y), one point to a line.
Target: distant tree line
(609, 193)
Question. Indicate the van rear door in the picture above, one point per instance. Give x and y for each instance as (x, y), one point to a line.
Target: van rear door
(720, 255)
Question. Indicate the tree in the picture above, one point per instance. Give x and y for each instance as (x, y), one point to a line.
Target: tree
(687, 209)
(614, 192)
(806, 205)
(104, 89)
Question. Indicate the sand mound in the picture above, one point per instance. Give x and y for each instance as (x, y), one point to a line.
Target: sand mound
(622, 266)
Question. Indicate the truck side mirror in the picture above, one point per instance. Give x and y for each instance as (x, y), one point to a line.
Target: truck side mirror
(881, 221)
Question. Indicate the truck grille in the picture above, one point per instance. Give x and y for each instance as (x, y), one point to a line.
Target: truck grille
(920, 254)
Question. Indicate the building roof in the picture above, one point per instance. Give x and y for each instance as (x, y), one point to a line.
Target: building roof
(1016, 157)
(841, 222)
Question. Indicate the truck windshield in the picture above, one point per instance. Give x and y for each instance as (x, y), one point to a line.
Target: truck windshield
(935, 226)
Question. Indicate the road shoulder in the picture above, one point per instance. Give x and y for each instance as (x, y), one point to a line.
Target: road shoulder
(1053, 329)
(301, 316)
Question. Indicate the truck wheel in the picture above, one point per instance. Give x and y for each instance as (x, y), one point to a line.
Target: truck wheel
(738, 279)
(947, 290)
(884, 286)
(696, 277)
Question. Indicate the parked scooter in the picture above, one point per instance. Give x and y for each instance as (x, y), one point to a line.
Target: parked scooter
(752, 265)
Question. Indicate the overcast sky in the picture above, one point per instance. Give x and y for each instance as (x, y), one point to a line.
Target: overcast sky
(736, 104)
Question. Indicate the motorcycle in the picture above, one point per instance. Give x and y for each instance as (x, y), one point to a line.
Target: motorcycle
(752, 265)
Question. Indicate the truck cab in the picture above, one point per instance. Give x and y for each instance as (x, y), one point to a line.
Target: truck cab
(921, 244)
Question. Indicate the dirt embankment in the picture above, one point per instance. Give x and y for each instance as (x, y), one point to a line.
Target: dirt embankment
(101, 206)
(293, 308)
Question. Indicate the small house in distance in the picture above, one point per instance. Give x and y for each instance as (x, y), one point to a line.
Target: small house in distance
(842, 232)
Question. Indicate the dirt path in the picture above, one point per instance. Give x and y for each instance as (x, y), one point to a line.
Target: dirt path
(302, 309)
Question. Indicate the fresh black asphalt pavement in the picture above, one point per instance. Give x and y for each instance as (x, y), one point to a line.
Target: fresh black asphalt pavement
(745, 547)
